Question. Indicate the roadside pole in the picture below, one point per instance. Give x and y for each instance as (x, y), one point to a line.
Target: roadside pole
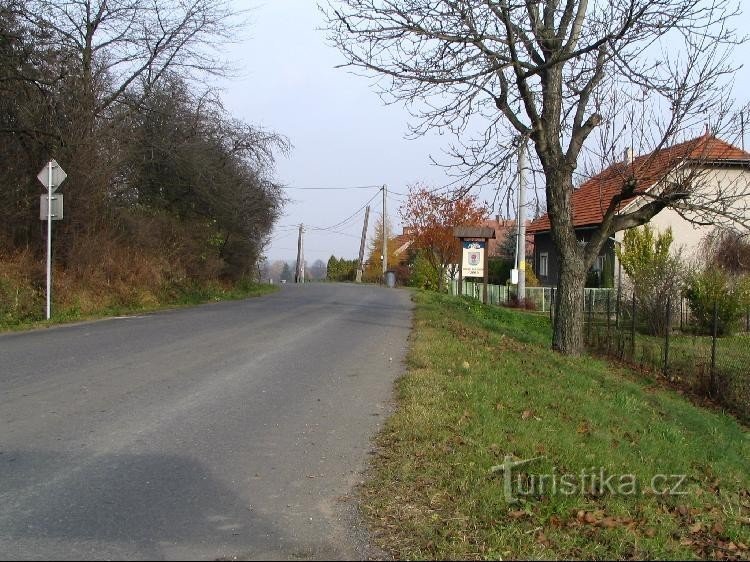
(361, 266)
(298, 273)
(385, 232)
(51, 176)
(521, 217)
(49, 239)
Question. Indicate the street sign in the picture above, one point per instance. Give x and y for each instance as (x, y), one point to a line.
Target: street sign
(57, 207)
(51, 209)
(58, 175)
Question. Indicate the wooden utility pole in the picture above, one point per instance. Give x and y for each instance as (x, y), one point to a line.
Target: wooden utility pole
(299, 275)
(361, 265)
(385, 232)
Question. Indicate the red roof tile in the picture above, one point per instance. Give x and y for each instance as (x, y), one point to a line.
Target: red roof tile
(591, 200)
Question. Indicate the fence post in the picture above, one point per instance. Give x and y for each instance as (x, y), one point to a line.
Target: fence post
(714, 337)
(609, 321)
(552, 306)
(668, 329)
(617, 311)
(632, 330)
(590, 315)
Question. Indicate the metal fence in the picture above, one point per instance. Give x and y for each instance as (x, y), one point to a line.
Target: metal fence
(709, 357)
(541, 299)
(707, 354)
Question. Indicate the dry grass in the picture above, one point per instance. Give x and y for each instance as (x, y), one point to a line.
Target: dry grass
(107, 277)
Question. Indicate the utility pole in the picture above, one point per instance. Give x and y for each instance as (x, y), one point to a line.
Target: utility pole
(742, 128)
(299, 272)
(385, 233)
(361, 265)
(522, 220)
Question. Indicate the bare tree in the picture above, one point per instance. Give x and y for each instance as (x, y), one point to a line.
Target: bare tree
(551, 72)
(120, 44)
(108, 53)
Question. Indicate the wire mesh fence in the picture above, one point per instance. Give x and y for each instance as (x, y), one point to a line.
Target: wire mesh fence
(708, 356)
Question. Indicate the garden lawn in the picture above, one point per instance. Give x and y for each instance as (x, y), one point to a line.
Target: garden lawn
(482, 386)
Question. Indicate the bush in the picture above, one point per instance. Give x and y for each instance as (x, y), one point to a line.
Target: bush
(423, 274)
(655, 272)
(714, 287)
(341, 269)
(22, 293)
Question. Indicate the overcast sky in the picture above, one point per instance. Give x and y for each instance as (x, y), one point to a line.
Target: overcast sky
(343, 135)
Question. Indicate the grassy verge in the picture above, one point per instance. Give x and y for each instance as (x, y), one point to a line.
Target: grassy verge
(689, 361)
(169, 297)
(483, 387)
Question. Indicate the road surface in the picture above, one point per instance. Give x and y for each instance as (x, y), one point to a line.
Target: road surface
(231, 430)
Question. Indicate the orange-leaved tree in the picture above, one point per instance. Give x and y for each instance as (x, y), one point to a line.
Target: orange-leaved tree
(432, 218)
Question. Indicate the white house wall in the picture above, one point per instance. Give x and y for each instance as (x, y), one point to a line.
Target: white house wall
(687, 234)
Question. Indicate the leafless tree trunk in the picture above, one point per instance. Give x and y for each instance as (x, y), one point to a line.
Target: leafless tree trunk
(546, 70)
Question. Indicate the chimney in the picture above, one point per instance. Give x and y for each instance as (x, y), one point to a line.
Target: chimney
(628, 156)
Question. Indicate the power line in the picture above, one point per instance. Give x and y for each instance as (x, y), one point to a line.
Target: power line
(332, 188)
(350, 217)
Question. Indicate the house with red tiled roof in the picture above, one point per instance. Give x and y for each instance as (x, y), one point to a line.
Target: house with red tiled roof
(707, 163)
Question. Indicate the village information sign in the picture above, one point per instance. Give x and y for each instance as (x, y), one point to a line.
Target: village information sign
(474, 241)
(473, 258)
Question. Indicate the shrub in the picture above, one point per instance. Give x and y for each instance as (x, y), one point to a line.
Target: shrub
(655, 272)
(423, 274)
(714, 287)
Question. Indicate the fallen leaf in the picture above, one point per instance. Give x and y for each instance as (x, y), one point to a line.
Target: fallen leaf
(527, 414)
(697, 528)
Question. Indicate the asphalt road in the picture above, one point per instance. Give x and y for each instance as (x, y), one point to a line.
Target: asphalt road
(231, 430)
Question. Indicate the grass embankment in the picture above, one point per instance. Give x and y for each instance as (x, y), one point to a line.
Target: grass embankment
(80, 307)
(689, 362)
(482, 386)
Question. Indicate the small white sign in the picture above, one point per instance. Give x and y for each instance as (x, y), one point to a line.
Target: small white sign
(57, 207)
(514, 277)
(58, 175)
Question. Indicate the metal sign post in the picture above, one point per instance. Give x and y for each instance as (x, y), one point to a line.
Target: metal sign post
(51, 176)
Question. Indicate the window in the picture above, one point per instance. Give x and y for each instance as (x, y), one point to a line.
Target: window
(599, 265)
(543, 264)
